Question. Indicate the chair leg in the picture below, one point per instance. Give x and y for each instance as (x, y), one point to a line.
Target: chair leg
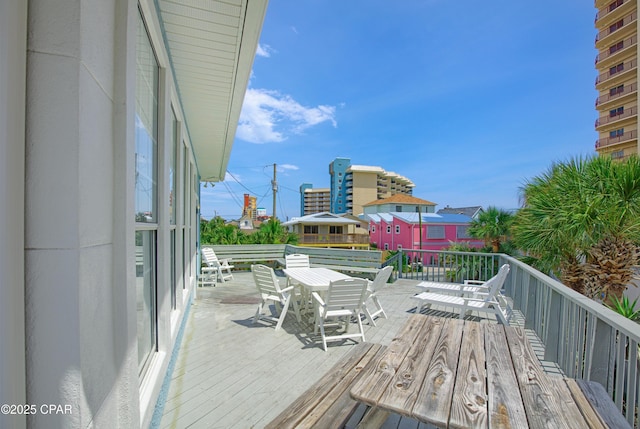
(296, 308)
(360, 326)
(368, 314)
(324, 339)
(258, 312)
(379, 310)
(283, 313)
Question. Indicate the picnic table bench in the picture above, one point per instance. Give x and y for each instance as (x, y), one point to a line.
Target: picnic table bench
(459, 373)
(327, 403)
(449, 373)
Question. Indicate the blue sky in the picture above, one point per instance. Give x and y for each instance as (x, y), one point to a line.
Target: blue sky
(467, 99)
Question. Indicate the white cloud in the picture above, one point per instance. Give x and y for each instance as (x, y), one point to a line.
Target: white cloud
(288, 167)
(268, 116)
(264, 50)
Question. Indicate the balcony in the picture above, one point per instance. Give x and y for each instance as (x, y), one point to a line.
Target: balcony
(226, 368)
(612, 11)
(617, 73)
(625, 28)
(610, 141)
(611, 119)
(621, 48)
(333, 240)
(616, 95)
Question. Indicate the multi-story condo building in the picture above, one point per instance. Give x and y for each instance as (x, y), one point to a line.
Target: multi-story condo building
(338, 171)
(364, 184)
(617, 81)
(353, 186)
(314, 200)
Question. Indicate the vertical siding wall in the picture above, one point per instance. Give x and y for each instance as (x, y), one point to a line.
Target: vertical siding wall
(13, 36)
(80, 260)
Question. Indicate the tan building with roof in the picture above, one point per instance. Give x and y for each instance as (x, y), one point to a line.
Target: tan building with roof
(399, 203)
(364, 184)
(617, 81)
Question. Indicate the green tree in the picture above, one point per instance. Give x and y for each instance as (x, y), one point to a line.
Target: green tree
(580, 221)
(272, 232)
(217, 231)
(492, 225)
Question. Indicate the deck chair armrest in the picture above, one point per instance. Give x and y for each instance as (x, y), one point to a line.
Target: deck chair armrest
(318, 298)
(490, 301)
(208, 269)
(474, 282)
(288, 288)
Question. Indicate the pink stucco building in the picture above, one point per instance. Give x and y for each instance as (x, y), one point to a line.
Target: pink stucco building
(404, 230)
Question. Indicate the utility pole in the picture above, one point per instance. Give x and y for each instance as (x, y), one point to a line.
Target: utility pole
(274, 186)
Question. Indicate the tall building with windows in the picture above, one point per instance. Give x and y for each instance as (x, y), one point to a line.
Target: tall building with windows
(364, 184)
(337, 172)
(617, 80)
(314, 200)
(353, 186)
(112, 113)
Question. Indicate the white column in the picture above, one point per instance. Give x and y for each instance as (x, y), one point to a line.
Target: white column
(13, 40)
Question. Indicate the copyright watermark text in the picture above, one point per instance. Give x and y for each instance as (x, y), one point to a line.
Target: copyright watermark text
(28, 409)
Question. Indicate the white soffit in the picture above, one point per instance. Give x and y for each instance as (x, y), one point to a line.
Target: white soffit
(212, 45)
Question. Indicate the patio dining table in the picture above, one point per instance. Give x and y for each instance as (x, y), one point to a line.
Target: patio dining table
(459, 373)
(316, 279)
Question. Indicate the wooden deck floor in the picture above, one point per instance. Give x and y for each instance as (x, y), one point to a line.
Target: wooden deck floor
(232, 374)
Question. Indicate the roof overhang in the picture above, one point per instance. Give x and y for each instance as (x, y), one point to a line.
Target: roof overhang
(212, 45)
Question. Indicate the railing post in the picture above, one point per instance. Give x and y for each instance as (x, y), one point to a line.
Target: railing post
(601, 345)
(553, 327)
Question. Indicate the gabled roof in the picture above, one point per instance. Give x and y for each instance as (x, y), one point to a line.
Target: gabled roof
(211, 45)
(400, 199)
(324, 218)
(377, 217)
(469, 211)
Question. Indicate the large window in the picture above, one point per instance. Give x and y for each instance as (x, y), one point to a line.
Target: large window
(435, 231)
(146, 201)
(173, 164)
(311, 229)
(462, 231)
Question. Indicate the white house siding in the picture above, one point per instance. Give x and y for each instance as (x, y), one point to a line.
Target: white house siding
(13, 36)
(80, 259)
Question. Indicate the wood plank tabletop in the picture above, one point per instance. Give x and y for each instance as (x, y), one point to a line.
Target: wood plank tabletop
(458, 373)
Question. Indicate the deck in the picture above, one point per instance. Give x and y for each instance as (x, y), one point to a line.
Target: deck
(230, 373)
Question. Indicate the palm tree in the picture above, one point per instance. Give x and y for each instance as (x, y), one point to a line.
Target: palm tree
(272, 232)
(493, 226)
(580, 221)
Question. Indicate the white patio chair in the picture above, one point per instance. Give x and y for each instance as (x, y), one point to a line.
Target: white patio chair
(372, 294)
(469, 287)
(269, 288)
(491, 302)
(297, 260)
(344, 300)
(214, 269)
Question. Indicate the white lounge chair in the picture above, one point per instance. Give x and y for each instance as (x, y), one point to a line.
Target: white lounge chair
(343, 299)
(215, 269)
(269, 288)
(372, 294)
(491, 302)
(469, 287)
